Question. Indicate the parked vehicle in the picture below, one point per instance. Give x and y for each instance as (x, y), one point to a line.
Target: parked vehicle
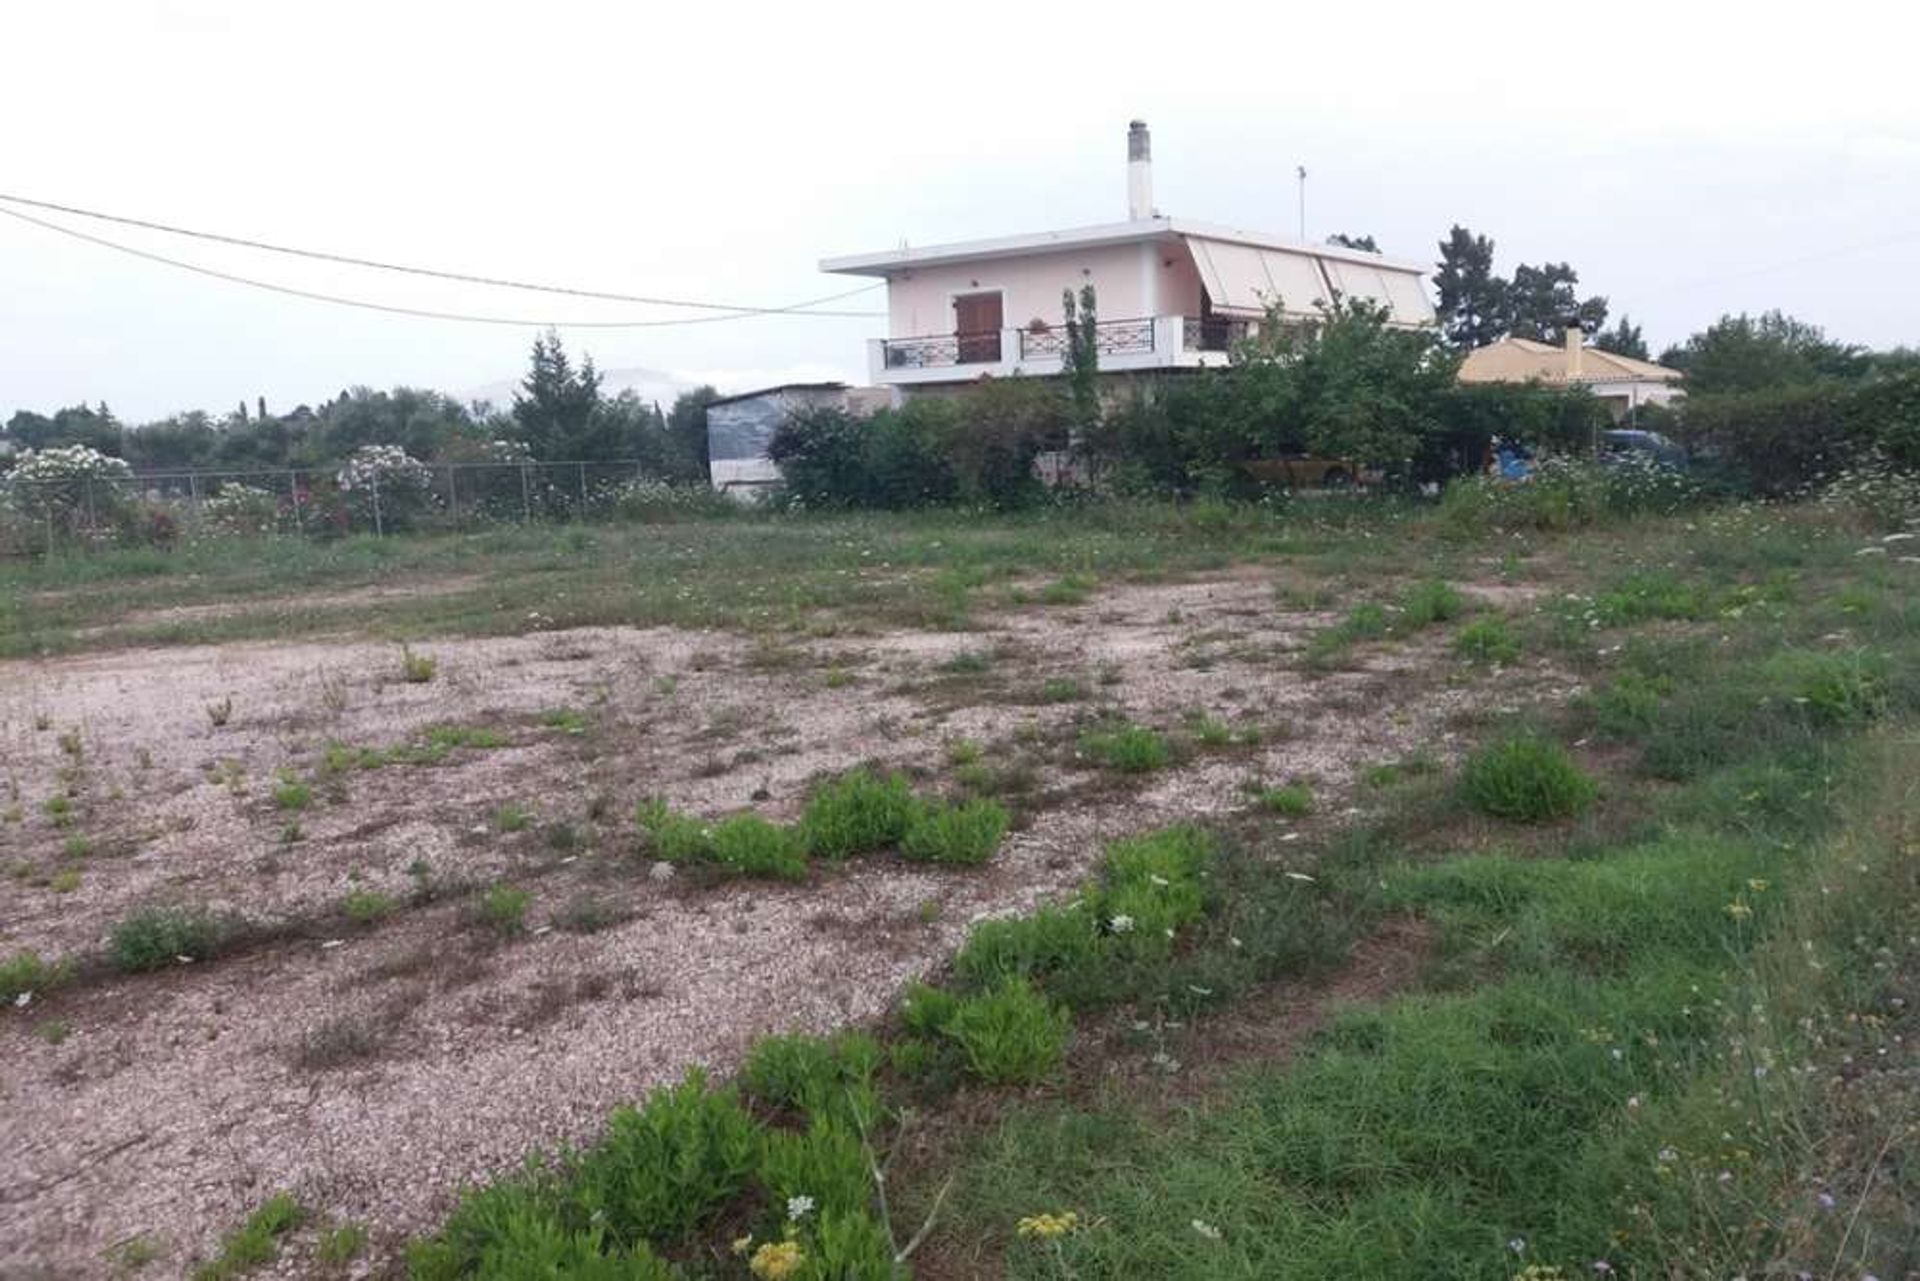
(1301, 472)
(1625, 445)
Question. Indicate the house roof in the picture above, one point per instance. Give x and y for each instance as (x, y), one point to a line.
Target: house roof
(1159, 227)
(1518, 360)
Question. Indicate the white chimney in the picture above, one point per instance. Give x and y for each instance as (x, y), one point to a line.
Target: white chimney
(1575, 345)
(1139, 172)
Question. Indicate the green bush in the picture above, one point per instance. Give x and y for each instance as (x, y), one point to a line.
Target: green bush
(966, 833)
(853, 1246)
(856, 813)
(1430, 603)
(25, 972)
(1529, 780)
(664, 1168)
(674, 837)
(155, 937)
(926, 1010)
(1295, 800)
(1487, 640)
(751, 846)
(256, 1242)
(1836, 688)
(503, 909)
(822, 1077)
(1130, 749)
(1047, 941)
(1010, 1033)
(365, 906)
(827, 1163)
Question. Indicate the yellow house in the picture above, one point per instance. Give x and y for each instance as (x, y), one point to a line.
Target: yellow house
(1621, 382)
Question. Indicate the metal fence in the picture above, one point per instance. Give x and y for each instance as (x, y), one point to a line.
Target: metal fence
(161, 507)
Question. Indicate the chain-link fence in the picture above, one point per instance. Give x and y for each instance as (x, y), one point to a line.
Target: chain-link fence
(161, 508)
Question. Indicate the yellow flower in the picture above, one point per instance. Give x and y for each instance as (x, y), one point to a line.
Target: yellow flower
(1738, 911)
(777, 1261)
(1048, 1226)
(1759, 884)
(743, 1244)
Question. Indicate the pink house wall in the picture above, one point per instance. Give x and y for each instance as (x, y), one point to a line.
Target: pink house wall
(1150, 278)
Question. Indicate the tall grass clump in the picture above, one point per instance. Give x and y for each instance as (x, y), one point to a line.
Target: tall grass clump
(749, 845)
(156, 937)
(1010, 1033)
(966, 833)
(1528, 780)
(1128, 749)
(857, 812)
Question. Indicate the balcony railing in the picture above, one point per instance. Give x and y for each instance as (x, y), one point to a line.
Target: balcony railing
(1212, 333)
(938, 350)
(1110, 338)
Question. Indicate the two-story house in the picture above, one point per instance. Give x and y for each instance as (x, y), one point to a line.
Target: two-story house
(1171, 293)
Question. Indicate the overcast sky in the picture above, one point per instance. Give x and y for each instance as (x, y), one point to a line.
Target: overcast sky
(1685, 162)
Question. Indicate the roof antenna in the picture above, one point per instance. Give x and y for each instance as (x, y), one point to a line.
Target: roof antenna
(1301, 170)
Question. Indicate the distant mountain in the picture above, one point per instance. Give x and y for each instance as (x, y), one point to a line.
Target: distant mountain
(663, 385)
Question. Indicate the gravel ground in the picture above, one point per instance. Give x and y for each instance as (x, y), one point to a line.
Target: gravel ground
(375, 1070)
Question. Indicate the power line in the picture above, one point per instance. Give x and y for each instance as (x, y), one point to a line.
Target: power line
(797, 309)
(435, 273)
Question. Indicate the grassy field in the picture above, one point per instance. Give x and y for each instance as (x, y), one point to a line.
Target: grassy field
(1392, 900)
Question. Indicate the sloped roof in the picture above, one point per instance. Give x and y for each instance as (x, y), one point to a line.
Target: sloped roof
(1520, 360)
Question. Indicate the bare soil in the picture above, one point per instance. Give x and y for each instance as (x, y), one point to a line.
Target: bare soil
(375, 1068)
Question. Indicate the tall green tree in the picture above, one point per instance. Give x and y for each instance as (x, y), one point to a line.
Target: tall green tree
(558, 407)
(1473, 300)
(687, 433)
(1541, 300)
(1750, 353)
(1624, 339)
(1080, 359)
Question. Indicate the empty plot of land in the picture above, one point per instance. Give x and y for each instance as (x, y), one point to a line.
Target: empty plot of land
(368, 1041)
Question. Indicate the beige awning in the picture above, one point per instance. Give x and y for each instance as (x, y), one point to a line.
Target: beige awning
(1247, 279)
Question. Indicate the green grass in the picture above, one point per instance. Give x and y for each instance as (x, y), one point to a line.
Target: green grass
(292, 794)
(674, 838)
(503, 909)
(1528, 780)
(255, 1243)
(341, 1244)
(25, 972)
(749, 845)
(157, 937)
(1293, 800)
(1009, 1034)
(1488, 641)
(966, 833)
(856, 813)
(365, 906)
(1129, 749)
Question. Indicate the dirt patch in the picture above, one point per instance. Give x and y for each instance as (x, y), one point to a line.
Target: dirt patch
(375, 1068)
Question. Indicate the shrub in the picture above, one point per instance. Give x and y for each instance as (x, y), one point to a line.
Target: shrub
(503, 909)
(964, 833)
(416, 669)
(1430, 603)
(674, 837)
(1487, 640)
(852, 1246)
(155, 937)
(751, 846)
(364, 906)
(664, 1167)
(257, 1241)
(292, 794)
(1130, 749)
(857, 812)
(385, 487)
(828, 1163)
(926, 1010)
(341, 1245)
(1047, 941)
(24, 972)
(513, 817)
(809, 1074)
(1835, 688)
(1529, 780)
(1010, 1033)
(1295, 800)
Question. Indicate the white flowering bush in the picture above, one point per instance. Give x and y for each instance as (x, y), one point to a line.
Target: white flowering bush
(385, 486)
(1567, 493)
(1876, 493)
(240, 511)
(650, 500)
(68, 491)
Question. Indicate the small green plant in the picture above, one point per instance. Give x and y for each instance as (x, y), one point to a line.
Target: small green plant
(65, 881)
(291, 833)
(416, 669)
(155, 937)
(135, 1253)
(964, 751)
(827, 1164)
(1294, 800)
(1061, 689)
(1047, 941)
(966, 833)
(503, 909)
(76, 847)
(512, 817)
(751, 846)
(1209, 731)
(816, 1076)
(857, 812)
(673, 837)
(1010, 1034)
(837, 678)
(256, 1242)
(71, 744)
(1071, 590)
(1429, 603)
(564, 719)
(52, 1031)
(292, 794)
(1528, 780)
(1130, 749)
(59, 809)
(341, 1245)
(24, 972)
(1488, 641)
(969, 662)
(663, 1168)
(364, 906)
(218, 714)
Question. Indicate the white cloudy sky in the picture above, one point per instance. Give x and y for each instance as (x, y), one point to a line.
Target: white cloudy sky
(1685, 161)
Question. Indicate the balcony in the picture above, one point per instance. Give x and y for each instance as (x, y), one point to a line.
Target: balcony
(1150, 342)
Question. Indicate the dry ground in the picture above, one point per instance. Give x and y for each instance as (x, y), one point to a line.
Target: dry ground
(373, 1069)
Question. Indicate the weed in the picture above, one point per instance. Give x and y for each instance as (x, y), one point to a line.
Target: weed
(503, 909)
(339, 1041)
(218, 714)
(155, 937)
(563, 838)
(565, 719)
(512, 817)
(966, 833)
(964, 752)
(365, 906)
(135, 1253)
(857, 812)
(674, 837)
(1070, 590)
(257, 1241)
(1130, 749)
(52, 1031)
(292, 794)
(59, 809)
(1527, 779)
(1429, 603)
(1208, 731)
(69, 740)
(76, 847)
(25, 972)
(970, 662)
(1047, 941)
(1488, 641)
(1062, 689)
(586, 913)
(815, 1076)
(1294, 800)
(416, 669)
(65, 881)
(1010, 1033)
(341, 1245)
(827, 1164)
(751, 846)
(291, 833)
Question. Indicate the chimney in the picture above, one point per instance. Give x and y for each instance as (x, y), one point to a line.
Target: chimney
(1139, 172)
(1575, 339)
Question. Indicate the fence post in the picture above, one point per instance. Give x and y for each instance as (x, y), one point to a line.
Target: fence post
(378, 530)
(293, 491)
(526, 497)
(93, 521)
(453, 494)
(583, 489)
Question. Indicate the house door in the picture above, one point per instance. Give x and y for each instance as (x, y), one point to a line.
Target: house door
(977, 320)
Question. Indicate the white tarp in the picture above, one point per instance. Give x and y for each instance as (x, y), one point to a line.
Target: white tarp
(1247, 279)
